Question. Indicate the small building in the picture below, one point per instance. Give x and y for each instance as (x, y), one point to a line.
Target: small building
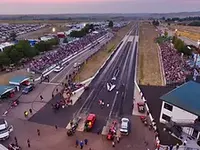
(7, 91)
(20, 81)
(181, 107)
(4, 45)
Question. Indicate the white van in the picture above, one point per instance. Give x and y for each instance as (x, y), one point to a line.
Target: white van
(5, 129)
(3, 147)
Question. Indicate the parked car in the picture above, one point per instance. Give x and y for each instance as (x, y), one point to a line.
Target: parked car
(28, 89)
(5, 129)
(125, 125)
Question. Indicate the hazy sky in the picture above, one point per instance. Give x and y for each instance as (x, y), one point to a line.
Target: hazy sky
(96, 6)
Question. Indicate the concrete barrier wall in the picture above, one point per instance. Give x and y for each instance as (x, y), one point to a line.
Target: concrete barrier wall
(161, 65)
(68, 58)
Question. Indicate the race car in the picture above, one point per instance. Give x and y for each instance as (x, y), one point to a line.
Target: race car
(110, 86)
(89, 123)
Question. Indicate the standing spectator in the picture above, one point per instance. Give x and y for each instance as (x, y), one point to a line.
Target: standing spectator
(113, 143)
(30, 110)
(166, 148)
(118, 139)
(56, 127)
(86, 141)
(25, 114)
(41, 98)
(185, 142)
(71, 123)
(171, 147)
(77, 143)
(52, 95)
(81, 144)
(28, 142)
(38, 132)
(16, 142)
(177, 146)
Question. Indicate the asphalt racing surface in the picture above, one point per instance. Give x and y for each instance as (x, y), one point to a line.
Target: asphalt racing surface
(120, 99)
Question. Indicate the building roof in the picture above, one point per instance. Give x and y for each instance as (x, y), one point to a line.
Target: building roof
(186, 97)
(5, 88)
(18, 79)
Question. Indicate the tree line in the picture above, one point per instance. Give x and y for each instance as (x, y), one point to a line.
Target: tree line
(22, 51)
(155, 22)
(180, 46)
(181, 19)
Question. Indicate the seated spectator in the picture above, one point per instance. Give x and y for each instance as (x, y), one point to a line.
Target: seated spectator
(175, 67)
(54, 57)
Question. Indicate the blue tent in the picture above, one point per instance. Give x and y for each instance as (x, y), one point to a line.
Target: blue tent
(17, 80)
(6, 88)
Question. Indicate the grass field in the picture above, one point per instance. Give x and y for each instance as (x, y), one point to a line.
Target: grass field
(89, 69)
(190, 35)
(148, 62)
(190, 32)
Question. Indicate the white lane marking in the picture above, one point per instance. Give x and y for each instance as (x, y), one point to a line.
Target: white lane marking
(113, 104)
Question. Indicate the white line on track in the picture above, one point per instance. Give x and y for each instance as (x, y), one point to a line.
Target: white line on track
(113, 104)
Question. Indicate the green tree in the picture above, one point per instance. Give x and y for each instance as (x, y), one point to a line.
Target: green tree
(110, 24)
(15, 56)
(179, 45)
(4, 59)
(155, 22)
(13, 36)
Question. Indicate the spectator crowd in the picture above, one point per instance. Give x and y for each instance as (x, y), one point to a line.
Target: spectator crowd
(38, 65)
(174, 65)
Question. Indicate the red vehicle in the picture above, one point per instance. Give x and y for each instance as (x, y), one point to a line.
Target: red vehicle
(112, 131)
(141, 107)
(89, 123)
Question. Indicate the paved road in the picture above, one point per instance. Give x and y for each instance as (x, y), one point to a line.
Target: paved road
(121, 98)
(57, 118)
(45, 89)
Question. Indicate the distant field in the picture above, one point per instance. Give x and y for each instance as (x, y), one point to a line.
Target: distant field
(186, 28)
(190, 35)
(35, 21)
(89, 69)
(187, 31)
(148, 64)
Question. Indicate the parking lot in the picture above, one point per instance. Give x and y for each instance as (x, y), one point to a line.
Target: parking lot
(7, 29)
